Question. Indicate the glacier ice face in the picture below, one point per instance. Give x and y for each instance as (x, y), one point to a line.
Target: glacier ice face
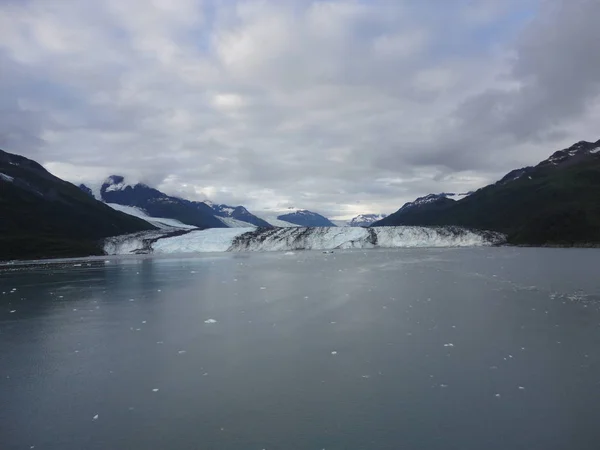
(299, 238)
(210, 240)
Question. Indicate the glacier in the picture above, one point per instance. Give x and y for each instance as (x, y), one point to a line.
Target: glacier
(297, 238)
(159, 222)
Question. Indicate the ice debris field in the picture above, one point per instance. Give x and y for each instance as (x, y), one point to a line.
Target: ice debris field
(300, 238)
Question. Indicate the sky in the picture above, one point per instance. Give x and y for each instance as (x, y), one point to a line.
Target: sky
(341, 107)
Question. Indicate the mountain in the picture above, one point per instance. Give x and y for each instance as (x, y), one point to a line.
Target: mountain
(555, 202)
(306, 218)
(365, 220)
(156, 203)
(237, 212)
(43, 216)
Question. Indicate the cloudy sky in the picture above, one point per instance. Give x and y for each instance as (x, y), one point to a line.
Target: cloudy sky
(341, 107)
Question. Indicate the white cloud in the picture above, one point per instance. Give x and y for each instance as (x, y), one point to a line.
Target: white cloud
(336, 106)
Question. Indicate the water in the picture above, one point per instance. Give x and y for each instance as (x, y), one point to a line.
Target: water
(486, 348)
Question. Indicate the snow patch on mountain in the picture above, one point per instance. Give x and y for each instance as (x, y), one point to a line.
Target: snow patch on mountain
(271, 218)
(6, 178)
(303, 238)
(234, 223)
(159, 222)
(364, 220)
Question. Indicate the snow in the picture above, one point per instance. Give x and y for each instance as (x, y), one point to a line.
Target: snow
(159, 222)
(595, 150)
(235, 223)
(271, 217)
(6, 178)
(290, 239)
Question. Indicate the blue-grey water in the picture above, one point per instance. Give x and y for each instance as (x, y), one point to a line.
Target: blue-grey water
(484, 348)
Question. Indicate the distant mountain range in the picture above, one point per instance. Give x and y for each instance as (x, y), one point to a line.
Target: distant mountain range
(44, 216)
(556, 202)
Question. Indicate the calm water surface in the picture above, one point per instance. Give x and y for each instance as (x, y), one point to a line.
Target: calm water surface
(487, 348)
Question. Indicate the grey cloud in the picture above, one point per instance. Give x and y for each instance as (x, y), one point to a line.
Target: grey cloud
(341, 107)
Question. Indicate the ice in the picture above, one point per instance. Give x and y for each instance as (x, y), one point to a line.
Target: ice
(159, 222)
(300, 238)
(235, 223)
(154, 390)
(211, 240)
(13, 311)
(497, 395)
(210, 321)
(334, 353)
(181, 352)
(95, 417)
(449, 345)
(521, 388)
(262, 288)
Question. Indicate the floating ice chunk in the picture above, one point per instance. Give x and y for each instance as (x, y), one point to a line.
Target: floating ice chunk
(289, 253)
(449, 345)
(521, 388)
(143, 321)
(210, 321)
(160, 342)
(262, 288)
(154, 390)
(334, 353)
(443, 385)
(366, 376)
(13, 311)
(95, 417)
(181, 352)
(497, 395)
(76, 265)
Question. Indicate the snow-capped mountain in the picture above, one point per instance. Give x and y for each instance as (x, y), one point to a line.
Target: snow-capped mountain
(577, 153)
(306, 218)
(239, 213)
(365, 220)
(428, 200)
(552, 203)
(153, 203)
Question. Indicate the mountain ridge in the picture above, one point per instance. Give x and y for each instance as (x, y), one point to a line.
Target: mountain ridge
(552, 203)
(44, 216)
